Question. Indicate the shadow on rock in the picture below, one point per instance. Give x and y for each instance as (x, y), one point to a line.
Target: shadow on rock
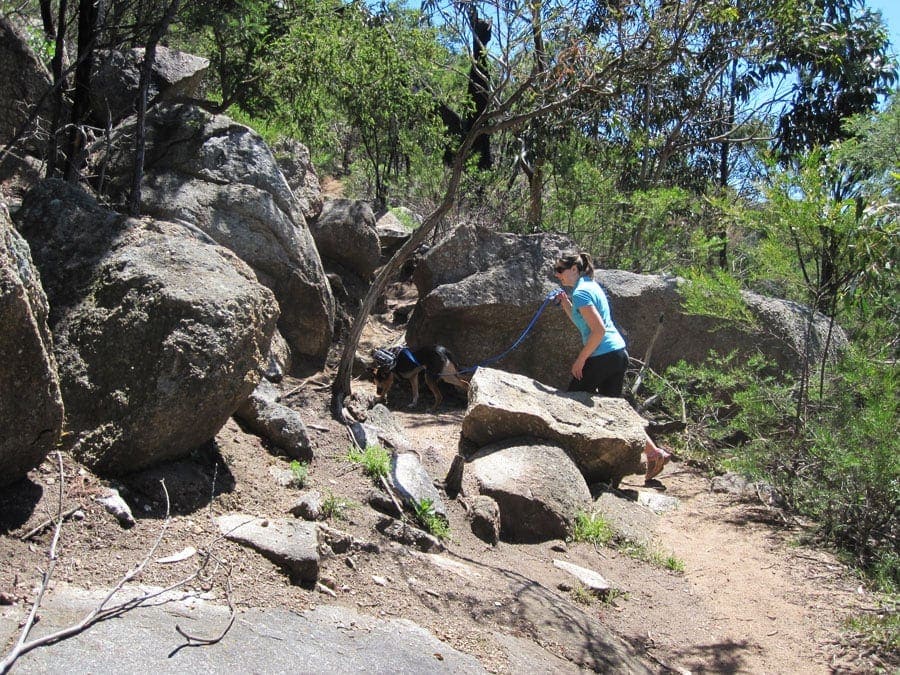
(17, 503)
(191, 484)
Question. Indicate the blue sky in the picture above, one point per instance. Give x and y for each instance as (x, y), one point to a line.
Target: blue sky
(890, 12)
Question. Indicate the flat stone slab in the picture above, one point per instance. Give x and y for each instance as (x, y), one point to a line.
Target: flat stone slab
(591, 580)
(291, 543)
(658, 503)
(603, 436)
(327, 639)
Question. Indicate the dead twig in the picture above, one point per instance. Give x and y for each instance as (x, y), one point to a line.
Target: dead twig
(640, 376)
(37, 529)
(101, 612)
(194, 641)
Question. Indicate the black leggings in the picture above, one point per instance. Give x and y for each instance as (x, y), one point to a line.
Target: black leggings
(603, 374)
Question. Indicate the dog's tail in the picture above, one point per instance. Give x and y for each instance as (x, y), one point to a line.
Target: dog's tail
(449, 356)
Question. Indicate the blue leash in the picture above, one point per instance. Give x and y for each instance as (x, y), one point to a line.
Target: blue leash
(551, 296)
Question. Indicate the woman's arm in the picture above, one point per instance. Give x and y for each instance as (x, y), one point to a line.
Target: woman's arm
(592, 317)
(566, 303)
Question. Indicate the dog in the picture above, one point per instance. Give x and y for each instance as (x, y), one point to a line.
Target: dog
(435, 361)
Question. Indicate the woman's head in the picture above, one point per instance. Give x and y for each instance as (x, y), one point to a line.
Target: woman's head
(578, 262)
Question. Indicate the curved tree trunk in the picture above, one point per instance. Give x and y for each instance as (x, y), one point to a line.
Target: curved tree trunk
(341, 387)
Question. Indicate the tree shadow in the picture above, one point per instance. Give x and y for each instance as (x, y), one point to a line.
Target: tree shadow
(717, 657)
(543, 615)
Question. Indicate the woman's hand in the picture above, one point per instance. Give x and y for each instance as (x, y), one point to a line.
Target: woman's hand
(578, 367)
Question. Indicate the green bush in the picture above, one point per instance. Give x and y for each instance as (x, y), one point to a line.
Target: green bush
(838, 466)
(375, 460)
(431, 520)
(299, 473)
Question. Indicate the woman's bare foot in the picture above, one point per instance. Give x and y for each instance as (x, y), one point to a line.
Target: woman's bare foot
(656, 460)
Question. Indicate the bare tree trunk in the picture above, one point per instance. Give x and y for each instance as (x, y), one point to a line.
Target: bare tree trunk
(341, 386)
(81, 105)
(134, 206)
(56, 124)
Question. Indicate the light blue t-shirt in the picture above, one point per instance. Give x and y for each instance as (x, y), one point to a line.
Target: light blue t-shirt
(588, 292)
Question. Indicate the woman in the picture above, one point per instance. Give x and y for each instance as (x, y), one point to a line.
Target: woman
(601, 364)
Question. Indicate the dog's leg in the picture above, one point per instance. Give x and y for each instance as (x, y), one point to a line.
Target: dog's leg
(451, 374)
(433, 385)
(414, 383)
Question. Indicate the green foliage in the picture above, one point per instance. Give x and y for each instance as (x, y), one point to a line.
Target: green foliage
(728, 404)
(433, 522)
(715, 294)
(367, 69)
(846, 475)
(334, 507)
(839, 466)
(881, 632)
(593, 528)
(299, 473)
(652, 555)
(375, 460)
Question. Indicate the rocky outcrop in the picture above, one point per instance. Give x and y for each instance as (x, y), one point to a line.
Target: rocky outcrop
(115, 82)
(283, 426)
(158, 332)
(31, 407)
(220, 176)
(292, 544)
(25, 81)
(479, 289)
(783, 330)
(295, 163)
(345, 234)
(603, 436)
(536, 486)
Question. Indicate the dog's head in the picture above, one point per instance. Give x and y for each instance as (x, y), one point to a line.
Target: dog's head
(384, 379)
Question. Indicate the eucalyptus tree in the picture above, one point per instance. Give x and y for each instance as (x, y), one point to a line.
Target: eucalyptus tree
(238, 37)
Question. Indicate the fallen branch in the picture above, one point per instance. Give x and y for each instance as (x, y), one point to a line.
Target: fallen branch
(194, 641)
(37, 529)
(101, 612)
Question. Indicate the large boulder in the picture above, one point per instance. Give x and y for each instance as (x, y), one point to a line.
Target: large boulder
(158, 332)
(603, 436)
(295, 163)
(779, 333)
(479, 290)
(24, 80)
(115, 82)
(345, 234)
(31, 407)
(220, 176)
(536, 486)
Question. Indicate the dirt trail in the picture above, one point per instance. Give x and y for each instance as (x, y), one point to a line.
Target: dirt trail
(751, 598)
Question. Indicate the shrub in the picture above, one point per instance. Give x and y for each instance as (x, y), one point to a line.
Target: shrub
(334, 507)
(375, 460)
(838, 465)
(299, 473)
(433, 522)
